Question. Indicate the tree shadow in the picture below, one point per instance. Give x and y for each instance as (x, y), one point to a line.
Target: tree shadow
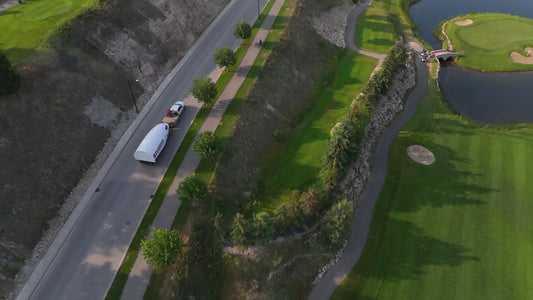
(378, 18)
(380, 26)
(380, 42)
(438, 185)
(10, 12)
(406, 253)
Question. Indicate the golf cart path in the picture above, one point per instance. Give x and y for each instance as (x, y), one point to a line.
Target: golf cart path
(336, 274)
(5, 5)
(139, 276)
(350, 32)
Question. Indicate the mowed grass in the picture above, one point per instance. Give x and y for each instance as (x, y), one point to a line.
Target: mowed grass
(457, 229)
(298, 166)
(488, 41)
(27, 27)
(374, 31)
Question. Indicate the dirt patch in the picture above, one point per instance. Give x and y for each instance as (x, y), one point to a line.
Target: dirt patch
(464, 22)
(420, 154)
(102, 112)
(521, 59)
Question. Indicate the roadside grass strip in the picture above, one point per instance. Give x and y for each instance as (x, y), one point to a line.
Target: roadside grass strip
(27, 27)
(374, 31)
(487, 42)
(133, 251)
(297, 165)
(459, 228)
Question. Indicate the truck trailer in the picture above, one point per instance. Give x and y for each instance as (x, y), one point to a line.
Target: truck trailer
(153, 143)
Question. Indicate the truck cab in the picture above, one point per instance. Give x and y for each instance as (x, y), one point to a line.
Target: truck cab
(174, 113)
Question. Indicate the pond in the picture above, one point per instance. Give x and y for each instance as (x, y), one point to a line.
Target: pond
(495, 98)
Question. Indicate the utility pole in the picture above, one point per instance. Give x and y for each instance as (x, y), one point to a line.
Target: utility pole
(258, 12)
(132, 97)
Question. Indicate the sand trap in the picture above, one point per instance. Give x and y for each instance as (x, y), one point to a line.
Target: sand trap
(464, 22)
(521, 59)
(420, 154)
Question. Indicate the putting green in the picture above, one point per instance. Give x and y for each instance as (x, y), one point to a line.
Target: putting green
(27, 27)
(487, 42)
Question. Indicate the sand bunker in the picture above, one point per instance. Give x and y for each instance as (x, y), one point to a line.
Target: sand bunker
(420, 154)
(463, 22)
(521, 59)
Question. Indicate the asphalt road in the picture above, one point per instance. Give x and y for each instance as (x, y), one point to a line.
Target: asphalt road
(83, 260)
(327, 285)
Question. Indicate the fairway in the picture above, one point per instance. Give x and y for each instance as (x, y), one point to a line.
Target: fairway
(487, 42)
(27, 27)
(298, 166)
(457, 229)
(374, 32)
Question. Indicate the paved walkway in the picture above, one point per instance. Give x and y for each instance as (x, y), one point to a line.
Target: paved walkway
(5, 5)
(336, 274)
(350, 32)
(141, 272)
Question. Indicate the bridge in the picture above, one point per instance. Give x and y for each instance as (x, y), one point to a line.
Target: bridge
(444, 54)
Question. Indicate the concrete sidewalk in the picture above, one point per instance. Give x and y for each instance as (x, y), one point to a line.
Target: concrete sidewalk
(140, 274)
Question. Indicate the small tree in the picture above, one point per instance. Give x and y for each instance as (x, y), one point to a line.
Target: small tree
(238, 230)
(218, 230)
(204, 89)
(9, 79)
(263, 225)
(163, 249)
(193, 188)
(338, 221)
(224, 57)
(242, 30)
(207, 146)
(311, 202)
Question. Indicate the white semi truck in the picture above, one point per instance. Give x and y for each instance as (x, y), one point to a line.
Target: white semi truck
(154, 142)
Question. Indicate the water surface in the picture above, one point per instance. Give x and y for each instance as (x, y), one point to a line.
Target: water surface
(495, 98)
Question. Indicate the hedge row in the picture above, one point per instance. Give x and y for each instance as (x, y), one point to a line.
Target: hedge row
(345, 141)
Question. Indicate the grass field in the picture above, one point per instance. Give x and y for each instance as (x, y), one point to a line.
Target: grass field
(489, 40)
(374, 32)
(298, 166)
(458, 229)
(26, 27)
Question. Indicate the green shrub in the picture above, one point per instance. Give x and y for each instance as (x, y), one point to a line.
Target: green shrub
(204, 89)
(238, 231)
(207, 146)
(163, 249)
(338, 222)
(263, 227)
(193, 188)
(242, 30)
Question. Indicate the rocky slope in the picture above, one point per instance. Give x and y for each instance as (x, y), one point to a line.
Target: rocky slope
(74, 102)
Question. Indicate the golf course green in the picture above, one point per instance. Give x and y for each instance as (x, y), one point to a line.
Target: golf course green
(457, 229)
(486, 41)
(27, 27)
